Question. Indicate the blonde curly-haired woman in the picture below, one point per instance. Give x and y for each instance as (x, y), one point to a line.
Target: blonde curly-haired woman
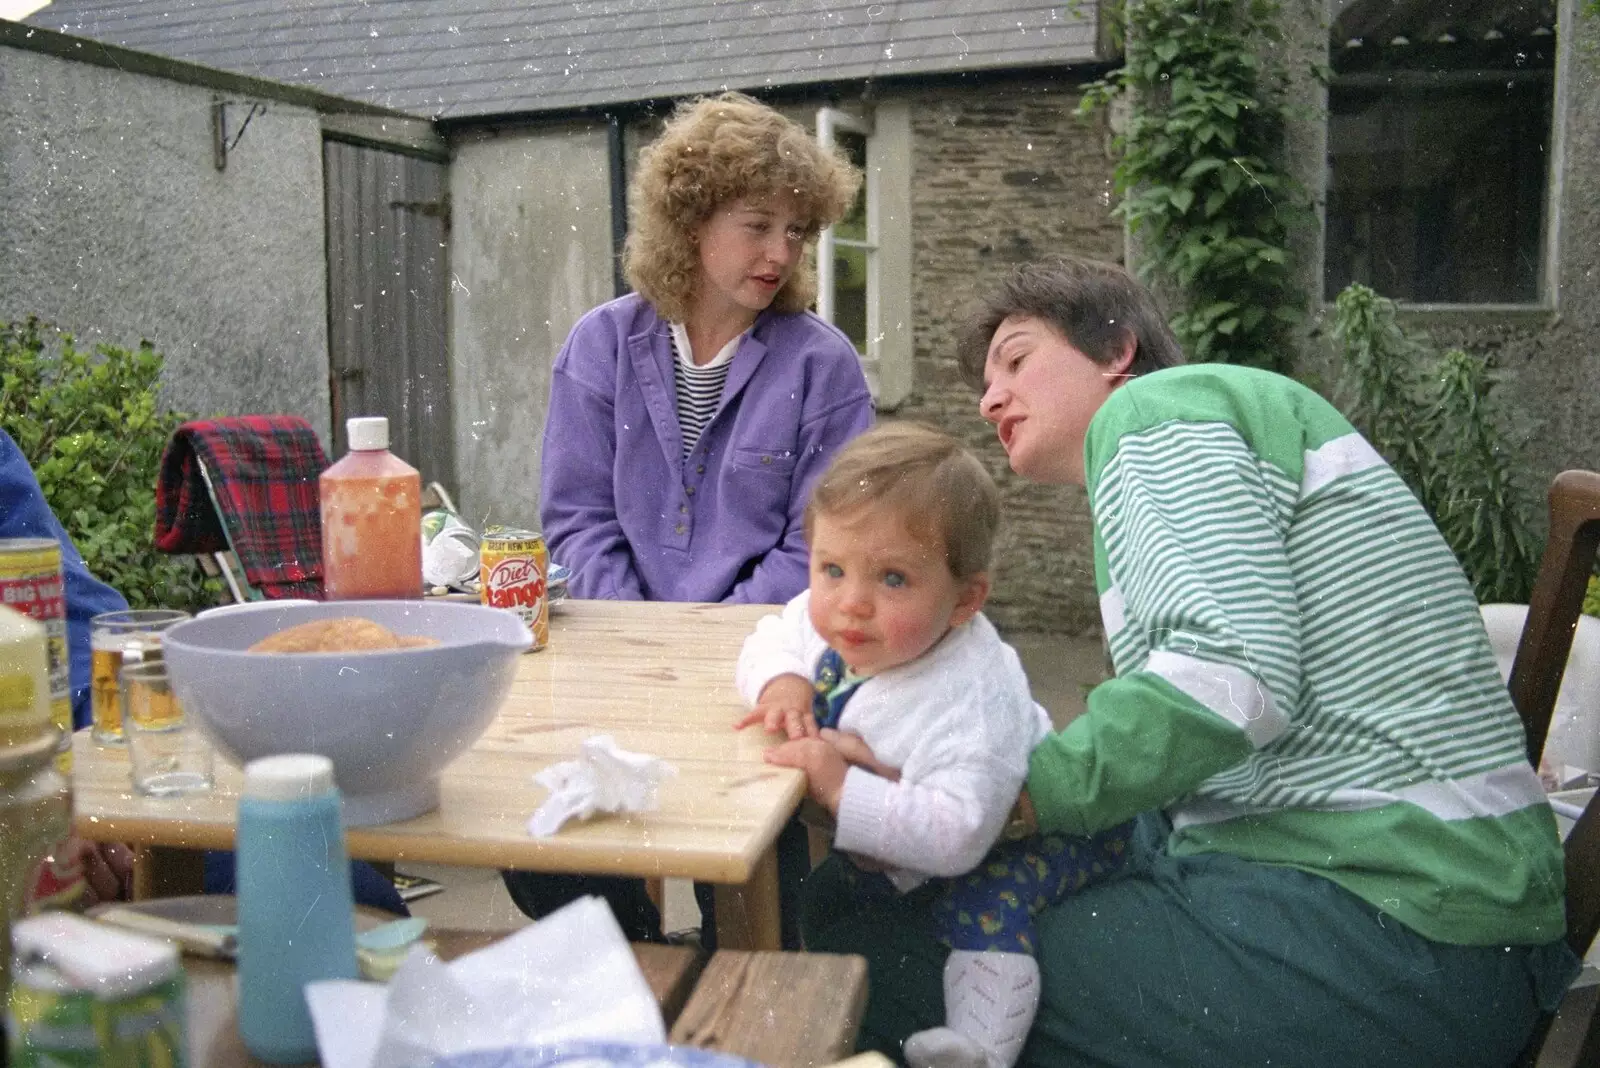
(688, 419)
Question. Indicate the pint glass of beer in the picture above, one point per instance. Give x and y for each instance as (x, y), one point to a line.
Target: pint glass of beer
(115, 638)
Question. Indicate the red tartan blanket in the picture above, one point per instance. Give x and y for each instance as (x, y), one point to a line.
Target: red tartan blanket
(263, 472)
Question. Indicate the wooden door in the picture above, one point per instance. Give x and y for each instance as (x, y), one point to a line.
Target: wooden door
(388, 275)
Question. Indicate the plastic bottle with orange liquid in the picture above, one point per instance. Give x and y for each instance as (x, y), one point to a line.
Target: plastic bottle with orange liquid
(371, 519)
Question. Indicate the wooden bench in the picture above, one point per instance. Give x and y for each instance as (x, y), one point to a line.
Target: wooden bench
(779, 1009)
(789, 1010)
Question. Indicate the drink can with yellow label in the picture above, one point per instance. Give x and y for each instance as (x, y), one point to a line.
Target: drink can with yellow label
(30, 582)
(513, 573)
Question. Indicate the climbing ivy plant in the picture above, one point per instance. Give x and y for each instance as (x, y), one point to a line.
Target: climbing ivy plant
(1199, 172)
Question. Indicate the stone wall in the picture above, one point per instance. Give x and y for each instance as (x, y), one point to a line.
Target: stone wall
(1552, 357)
(1002, 175)
(530, 252)
(117, 227)
(1550, 354)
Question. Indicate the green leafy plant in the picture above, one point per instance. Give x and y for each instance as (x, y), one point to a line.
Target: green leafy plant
(1480, 502)
(1436, 418)
(87, 421)
(1200, 172)
(1383, 384)
(1591, 597)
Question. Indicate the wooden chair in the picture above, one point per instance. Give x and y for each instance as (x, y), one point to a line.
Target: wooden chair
(1553, 609)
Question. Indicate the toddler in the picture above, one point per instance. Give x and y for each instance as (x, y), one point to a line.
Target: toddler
(913, 722)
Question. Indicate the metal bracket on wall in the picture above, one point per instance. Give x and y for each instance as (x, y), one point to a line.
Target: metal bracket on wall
(428, 209)
(432, 209)
(220, 144)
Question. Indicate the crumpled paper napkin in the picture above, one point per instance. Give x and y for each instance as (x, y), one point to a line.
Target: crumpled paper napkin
(568, 977)
(604, 778)
(449, 549)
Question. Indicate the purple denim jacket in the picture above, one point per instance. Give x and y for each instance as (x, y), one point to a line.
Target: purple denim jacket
(634, 518)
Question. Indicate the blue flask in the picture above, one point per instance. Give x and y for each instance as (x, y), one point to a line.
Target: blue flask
(295, 913)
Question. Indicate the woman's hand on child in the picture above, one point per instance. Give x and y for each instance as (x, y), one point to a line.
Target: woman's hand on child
(784, 707)
(825, 769)
(826, 759)
(855, 751)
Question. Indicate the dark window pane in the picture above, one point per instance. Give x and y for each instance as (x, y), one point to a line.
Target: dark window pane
(854, 224)
(850, 294)
(1438, 141)
(850, 264)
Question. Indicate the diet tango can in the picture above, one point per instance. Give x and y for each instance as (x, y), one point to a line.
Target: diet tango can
(513, 572)
(30, 582)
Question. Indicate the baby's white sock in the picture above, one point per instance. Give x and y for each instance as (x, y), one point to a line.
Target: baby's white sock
(989, 1003)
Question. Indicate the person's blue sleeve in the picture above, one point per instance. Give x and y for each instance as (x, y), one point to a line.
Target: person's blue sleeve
(24, 513)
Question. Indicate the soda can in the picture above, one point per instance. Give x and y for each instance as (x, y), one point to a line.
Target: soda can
(30, 582)
(513, 573)
(84, 994)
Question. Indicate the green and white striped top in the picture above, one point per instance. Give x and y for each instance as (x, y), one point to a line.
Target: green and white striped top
(1302, 675)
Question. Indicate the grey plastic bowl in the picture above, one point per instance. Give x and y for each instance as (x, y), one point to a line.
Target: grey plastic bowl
(389, 721)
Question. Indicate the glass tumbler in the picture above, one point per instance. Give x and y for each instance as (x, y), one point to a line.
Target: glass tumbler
(167, 750)
(115, 637)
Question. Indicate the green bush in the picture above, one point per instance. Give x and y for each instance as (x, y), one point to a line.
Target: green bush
(1435, 418)
(87, 421)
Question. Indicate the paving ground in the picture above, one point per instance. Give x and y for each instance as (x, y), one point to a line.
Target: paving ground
(1059, 668)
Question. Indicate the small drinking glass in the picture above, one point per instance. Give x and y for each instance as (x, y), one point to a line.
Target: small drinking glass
(115, 637)
(166, 749)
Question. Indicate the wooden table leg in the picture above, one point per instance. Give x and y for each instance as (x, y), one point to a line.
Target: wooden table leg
(747, 916)
(160, 871)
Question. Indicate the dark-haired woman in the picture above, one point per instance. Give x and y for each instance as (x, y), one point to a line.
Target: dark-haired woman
(1343, 855)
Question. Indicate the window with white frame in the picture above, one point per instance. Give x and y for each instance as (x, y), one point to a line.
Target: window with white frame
(1440, 150)
(864, 261)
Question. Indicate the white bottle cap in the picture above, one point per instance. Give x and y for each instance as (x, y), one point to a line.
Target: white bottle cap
(289, 777)
(367, 432)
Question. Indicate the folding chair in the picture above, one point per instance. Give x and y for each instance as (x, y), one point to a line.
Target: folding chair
(225, 565)
(246, 485)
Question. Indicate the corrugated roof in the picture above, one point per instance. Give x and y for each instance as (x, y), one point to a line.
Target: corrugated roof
(492, 57)
(1443, 35)
(1428, 20)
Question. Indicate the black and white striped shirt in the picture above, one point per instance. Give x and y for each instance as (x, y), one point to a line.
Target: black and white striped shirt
(699, 388)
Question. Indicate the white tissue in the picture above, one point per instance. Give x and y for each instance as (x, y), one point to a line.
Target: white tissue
(451, 556)
(604, 778)
(568, 977)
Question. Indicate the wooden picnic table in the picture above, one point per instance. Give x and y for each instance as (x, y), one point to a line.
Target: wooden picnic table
(656, 676)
